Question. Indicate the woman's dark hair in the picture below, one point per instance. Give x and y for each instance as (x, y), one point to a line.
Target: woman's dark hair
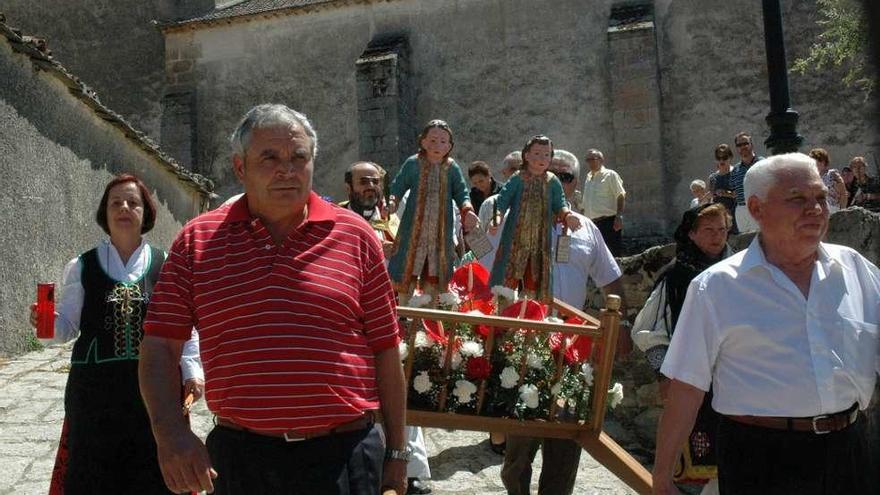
(438, 124)
(723, 152)
(539, 139)
(478, 167)
(146, 198)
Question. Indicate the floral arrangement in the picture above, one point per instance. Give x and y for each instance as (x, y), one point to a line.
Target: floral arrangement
(514, 373)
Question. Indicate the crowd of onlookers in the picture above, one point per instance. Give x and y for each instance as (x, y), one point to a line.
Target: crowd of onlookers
(851, 185)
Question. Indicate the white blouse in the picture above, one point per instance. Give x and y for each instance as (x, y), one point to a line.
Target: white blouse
(70, 305)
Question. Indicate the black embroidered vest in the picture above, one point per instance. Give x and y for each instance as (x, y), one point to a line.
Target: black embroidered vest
(113, 312)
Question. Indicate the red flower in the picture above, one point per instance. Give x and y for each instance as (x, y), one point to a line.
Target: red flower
(478, 368)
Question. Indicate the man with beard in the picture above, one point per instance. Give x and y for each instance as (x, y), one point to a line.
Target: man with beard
(365, 182)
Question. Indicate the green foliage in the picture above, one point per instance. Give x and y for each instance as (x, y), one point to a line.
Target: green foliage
(842, 42)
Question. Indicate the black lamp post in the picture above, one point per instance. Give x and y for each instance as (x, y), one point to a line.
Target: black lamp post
(782, 120)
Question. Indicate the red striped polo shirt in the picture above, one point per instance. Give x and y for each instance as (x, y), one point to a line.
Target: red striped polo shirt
(287, 333)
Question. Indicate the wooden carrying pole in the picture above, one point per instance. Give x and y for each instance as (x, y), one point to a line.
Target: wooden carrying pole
(610, 321)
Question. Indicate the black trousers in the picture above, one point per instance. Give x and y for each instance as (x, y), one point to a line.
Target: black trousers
(613, 238)
(755, 460)
(342, 464)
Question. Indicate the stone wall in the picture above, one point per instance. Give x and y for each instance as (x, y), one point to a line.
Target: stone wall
(498, 77)
(113, 45)
(634, 422)
(56, 154)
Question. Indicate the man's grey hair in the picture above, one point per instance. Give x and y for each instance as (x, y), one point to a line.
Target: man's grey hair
(513, 155)
(699, 183)
(270, 115)
(763, 175)
(594, 151)
(569, 159)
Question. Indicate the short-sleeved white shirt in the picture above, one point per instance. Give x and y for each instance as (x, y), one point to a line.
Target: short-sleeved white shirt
(769, 351)
(589, 258)
(600, 193)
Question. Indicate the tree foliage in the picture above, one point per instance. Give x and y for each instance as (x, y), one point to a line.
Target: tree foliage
(843, 42)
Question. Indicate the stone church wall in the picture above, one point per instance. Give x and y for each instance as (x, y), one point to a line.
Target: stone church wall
(113, 45)
(656, 97)
(56, 155)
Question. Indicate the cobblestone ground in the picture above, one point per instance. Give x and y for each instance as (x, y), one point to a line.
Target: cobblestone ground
(32, 408)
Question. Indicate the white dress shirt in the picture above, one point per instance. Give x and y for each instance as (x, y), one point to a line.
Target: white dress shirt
(589, 258)
(69, 307)
(600, 193)
(769, 351)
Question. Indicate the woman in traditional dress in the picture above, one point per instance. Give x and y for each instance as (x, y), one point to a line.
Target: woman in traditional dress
(107, 445)
(701, 241)
(533, 199)
(424, 247)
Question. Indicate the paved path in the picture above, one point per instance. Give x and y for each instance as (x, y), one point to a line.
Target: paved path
(31, 410)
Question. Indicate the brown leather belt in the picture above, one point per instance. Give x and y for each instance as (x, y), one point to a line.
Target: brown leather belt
(294, 436)
(825, 423)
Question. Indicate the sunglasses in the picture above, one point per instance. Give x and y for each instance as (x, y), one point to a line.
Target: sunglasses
(740, 145)
(565, 177)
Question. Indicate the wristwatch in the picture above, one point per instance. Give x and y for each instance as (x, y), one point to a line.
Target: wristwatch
(398, 455)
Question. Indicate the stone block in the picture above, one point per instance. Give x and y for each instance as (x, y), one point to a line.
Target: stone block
(190, 52)
(181, 66)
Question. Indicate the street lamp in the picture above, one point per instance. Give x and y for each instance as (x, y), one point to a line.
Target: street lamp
(782, 120)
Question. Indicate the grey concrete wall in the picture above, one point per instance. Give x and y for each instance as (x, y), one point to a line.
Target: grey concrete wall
(500, 71)
(112, 45)
(56, 155)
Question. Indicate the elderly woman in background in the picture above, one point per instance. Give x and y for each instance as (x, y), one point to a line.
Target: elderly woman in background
(107, 445)
(701, 241)
(837, 194)
(869, 187)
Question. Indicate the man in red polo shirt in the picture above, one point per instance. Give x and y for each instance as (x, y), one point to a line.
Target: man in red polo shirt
(297, 320)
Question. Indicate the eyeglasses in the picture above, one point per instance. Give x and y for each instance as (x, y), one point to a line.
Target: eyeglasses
(565, 177)
(593, 158)
(366, 181)
(740, 145)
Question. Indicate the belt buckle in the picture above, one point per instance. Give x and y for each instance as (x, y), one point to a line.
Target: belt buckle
(290, 439)
(815, 426)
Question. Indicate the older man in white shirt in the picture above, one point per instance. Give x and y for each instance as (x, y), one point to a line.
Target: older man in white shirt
(605, 200)
(792, 362)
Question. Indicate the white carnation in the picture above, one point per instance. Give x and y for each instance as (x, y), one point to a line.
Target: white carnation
(403, 349)
(509, 377)
(419, 301)
(422, 340)
(615, 395)
(454, 363)
(587, 372)
(556, 388)
(464, 391)
(422, 382)
(505, 292)
(529, 395)
(471, 349)
(449, 299)
(534, 361)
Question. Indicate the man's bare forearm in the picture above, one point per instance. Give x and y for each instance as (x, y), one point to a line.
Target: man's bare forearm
(392, 396)
(159, 379)
(676, 423)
